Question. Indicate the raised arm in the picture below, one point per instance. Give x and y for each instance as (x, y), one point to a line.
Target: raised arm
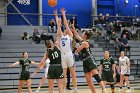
(83, 45)
(76, 33)
(59, 32)
(63, 11)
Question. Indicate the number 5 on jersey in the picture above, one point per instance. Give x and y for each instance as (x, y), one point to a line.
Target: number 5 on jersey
(63, 43)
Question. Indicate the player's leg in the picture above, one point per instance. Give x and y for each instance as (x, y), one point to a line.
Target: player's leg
(126, 77)
(21, 84)
(60, 85)
(112, 87)
(41, 83)
(51, 85)
(28, 82)
(88, 76)
(121, 82)
(71, 66)
(64, 66)
(98, 79)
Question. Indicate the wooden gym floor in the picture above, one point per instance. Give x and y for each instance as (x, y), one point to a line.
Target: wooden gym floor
(135, 88)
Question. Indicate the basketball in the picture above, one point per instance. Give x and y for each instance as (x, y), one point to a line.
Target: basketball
(52, 3)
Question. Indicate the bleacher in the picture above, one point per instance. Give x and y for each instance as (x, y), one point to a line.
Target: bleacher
(12, 47)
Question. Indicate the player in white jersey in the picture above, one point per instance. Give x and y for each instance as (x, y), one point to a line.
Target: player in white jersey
(44, 76)
(124, 67)
(66, 50)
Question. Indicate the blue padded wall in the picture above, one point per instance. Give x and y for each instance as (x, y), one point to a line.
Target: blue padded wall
(17, 19)
(114, 7)
(81, 8)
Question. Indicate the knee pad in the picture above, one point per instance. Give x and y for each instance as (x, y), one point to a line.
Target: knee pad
(112, 86)
(97, 78)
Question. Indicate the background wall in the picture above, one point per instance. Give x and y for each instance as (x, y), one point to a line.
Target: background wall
(114, 7)
(17, 19)
(81, 8)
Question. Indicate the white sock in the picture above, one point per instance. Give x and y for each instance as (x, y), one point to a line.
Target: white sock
(75, 88)
(38, 88)
(64, 90)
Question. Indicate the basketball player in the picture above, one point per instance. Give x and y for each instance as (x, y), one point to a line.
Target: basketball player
(44, 76)
(55, 70)
(89, 66)
(24, 74)
(107, 70)
(66, 51)
(124, 67)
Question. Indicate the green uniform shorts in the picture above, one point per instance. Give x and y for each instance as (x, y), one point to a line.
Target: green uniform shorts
(55, 72)
(107, 76)
(89, 65)
(24, 75)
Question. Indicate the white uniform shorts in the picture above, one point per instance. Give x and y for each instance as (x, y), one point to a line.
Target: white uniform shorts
(67, 60)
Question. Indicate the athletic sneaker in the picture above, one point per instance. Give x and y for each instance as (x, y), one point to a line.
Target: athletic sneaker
(128, 90)
(120, 90)
(37, 90)
(104, 91)
(75, 91)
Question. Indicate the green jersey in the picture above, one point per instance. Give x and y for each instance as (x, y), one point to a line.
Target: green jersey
(54, 55)
(24, 64)
(107, 64)
(85, 52)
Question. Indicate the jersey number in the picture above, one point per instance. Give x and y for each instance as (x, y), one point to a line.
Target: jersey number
(106, 66)
(63, 43)
(55, 55)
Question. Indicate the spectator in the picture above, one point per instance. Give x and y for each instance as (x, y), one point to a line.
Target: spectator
(124, 45)
(0, 31)
(113, 36)
(74, 21)
(52, 26)
(25, 36)
(45, 36)
(127, 33)
(109, 29)
(36, 36)
(118, 44)
(117, 26)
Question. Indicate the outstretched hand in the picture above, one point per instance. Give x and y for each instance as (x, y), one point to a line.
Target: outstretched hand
(63, 11)
(55, 12)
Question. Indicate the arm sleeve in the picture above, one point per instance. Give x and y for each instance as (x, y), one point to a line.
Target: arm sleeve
(20, 61)
(101, 62)
(112, 61)
(29, 61)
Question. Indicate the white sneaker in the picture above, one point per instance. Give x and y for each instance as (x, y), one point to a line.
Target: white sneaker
(37, 90)
(128, 90)
(120, 90)
(104, 91)
(75, 91)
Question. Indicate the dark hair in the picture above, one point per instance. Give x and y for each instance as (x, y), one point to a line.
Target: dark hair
(47, 43)
(23, 53)
(88, 34)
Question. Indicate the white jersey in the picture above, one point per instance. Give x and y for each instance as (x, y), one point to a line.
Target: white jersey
(124, 65)
(66, 45)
